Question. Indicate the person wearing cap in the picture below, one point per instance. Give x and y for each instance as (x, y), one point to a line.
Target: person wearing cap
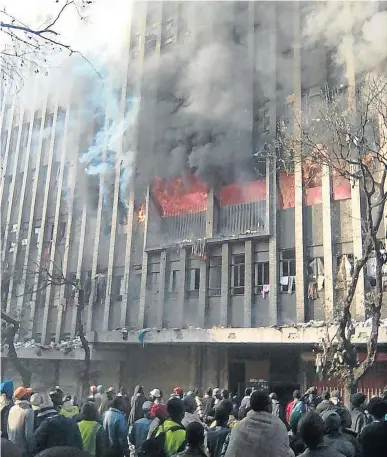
(358, 416)
(91, 430)
(259, 433)
(6, 403)
(136, 402)
(156, 396)
(54, 429)
(21, 421)
(68, 408)
(174, 431)
(178, 392)
(333, 434)
(56, 396)
(139, 430)
(159, 414)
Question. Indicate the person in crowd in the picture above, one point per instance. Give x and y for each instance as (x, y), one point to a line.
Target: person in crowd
(36, 405)
(139, 430)
(291, 404)
(6, 403)
(217, 396)
(235, 404)
(299, 409)
(190, 414)
(92, 394)
(21, 421)
(174, 431)
(259, 433)
(276, 408)
(136, 410)
(336, 398)
(199, 405)
(333, 433)
(115, 430)
(311, 431)
(45, 411)
(91, 430)
(68, 409)
(373, 437)
(311, 398)
(245, 403)
(9, 449)
(358, 416)
(56, 430)
(207, 404)
(156, 396)
(99, 396)
(216, 436)
(325, 403)
(64, 451)
(194, 441)
(347, 433)
(107, 401)
(56, 396)
(159, 413)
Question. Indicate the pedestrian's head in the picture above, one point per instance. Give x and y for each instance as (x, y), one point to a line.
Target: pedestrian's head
(155, 394)
(273, 396)
(195, 434)
(297, 394)
(23, 393)
(160, 411)
(93, 390)
(325, 395)
(377, 407)
(63, 451)
(56, 396)
(221, 417)
(312, 391)
(216, 393)
(89, 412)
(36, 401)
(345, 417)
(311, 429)
(175, 409)
(178, 391)
(196, 392)
(260, 401)
(189, 404)
(332, 421)
(138, 389)
(6, 388)
(225, 394)
(358, 400)
(118, 403)
(146, 407)
(226, 405)
(110, 393)
(100, 389)
(9, 449)
(209, 392)
(123, 392)
(248, 392)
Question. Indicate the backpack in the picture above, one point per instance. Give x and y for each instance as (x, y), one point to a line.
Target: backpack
(155, 446)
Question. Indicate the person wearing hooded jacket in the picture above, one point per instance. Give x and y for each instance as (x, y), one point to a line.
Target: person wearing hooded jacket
(333, 433)
(6, 403)
(21, 421)
(259, 433)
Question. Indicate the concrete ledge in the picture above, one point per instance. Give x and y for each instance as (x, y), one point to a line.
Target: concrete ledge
(265, 335)
(48, 353)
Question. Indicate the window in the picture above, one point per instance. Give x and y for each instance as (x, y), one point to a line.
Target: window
(215, 276)
(238, 274)
(117, 288)
(288, 270)
(193, 282)
(61, 231)
(135, 283)
(261, 276)
(154, 277)
(37, 234)
(173, 281)
(316, 267)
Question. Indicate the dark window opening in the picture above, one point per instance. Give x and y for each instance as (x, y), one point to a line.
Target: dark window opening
(173, 281)
(238, 274)
(215, 276)
(193, 282)
(153, 283)
(288, 270)
(261, 276)
(117, 286)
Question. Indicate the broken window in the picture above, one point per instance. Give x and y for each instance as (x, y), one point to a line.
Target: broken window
(193, 282)
(168, 31)
(150, 42)
(261, 276)
(37, 230)
(288, 270)
(238, 274)
(215, 276)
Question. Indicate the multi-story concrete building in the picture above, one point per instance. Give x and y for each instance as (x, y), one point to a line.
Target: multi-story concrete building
(194, 281)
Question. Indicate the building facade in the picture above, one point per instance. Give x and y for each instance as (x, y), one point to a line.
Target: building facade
(191, 281)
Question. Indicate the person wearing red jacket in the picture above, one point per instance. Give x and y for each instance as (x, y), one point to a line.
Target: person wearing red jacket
(291, 404)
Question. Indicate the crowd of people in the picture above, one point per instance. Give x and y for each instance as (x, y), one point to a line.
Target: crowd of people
(217, 424)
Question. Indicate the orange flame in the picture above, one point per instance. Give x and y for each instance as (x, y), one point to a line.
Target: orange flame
(141, 213)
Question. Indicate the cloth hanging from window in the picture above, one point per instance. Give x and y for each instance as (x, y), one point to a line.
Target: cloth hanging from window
(344, 269)
(291, 284)
(265, 290)
(284, 280)
(312, 290)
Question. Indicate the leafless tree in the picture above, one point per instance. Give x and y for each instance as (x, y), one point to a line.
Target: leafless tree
(27, 47)
(344, 133)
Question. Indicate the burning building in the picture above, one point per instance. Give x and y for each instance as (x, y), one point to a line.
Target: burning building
(201, 262)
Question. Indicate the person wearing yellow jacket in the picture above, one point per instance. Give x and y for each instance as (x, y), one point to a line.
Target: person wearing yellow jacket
(174, 431)
(91, 430)
(68, 409)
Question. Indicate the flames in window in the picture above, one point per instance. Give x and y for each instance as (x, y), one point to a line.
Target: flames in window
(141, 213)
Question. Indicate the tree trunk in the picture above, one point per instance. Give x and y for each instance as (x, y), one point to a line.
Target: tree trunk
(350, 387)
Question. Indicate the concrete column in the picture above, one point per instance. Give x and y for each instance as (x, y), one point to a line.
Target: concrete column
(327, 242)
(248, 282)
(298, 187)
(162, 287)
(144, 270)
(225, 285)
(203, 296)
(211, 214)
(271, 202)
(181, 291)
(7, 144)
